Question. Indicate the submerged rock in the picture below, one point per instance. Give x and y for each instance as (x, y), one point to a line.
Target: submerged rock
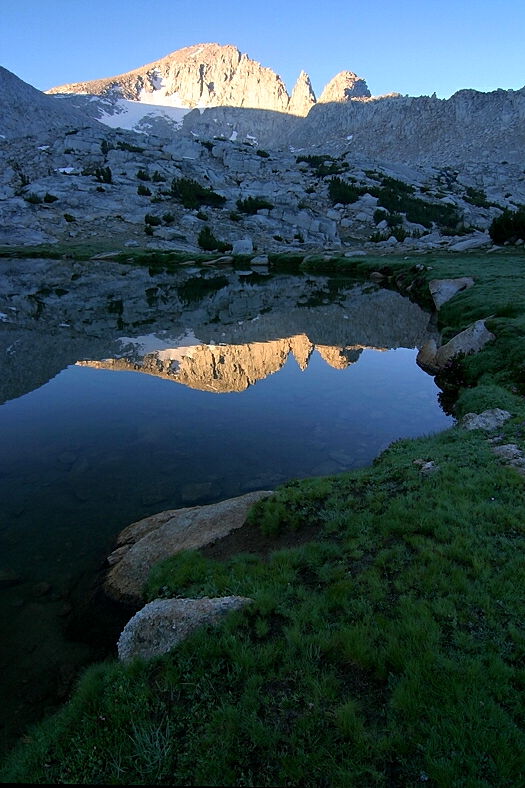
(164, 623)
(152, 539)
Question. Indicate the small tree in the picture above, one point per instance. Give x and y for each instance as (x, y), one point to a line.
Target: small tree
(251, 205)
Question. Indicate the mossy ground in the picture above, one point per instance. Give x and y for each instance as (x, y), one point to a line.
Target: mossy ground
(387, 650)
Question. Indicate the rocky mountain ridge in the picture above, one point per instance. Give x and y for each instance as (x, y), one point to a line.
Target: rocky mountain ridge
(420, 172)
(209, 75)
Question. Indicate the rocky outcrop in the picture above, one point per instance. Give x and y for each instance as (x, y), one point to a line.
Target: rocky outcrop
(344, 86)
(303, 96)
(143, 544)
(164, 623)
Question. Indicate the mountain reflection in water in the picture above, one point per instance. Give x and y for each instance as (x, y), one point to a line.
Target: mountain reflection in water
(85, 451)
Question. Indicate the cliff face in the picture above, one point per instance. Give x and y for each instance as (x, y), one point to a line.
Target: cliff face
(212, 75)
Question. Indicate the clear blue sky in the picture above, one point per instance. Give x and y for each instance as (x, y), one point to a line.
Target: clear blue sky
(414, 47)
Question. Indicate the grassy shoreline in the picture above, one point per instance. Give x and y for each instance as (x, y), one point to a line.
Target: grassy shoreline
(387, 650)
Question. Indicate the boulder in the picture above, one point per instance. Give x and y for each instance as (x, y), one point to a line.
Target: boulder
(471, 340)
(243, 246)
(164, 623)
(442, 290)
(145, 542)
(488, 421)
(476, 242)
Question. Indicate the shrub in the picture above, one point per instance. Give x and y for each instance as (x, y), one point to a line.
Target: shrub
(192, 195)
(397, 197)
(157, 177)
(210, 243)
(143, 190)
(103, 174)
(377, 237)
(143, 175)
(105, 147)
(509, 226)
(33, 198)
(152, 220)
(476, 197)
(148, 229)
(324, 165)
(399, 233)
(263, 154)
(49, 198)
(380, 215)
(168, 218)
(202, 216)
(314, 161)
(343, 192)
(251, 205)
(129, 147)
(234, 216)
(69, 218)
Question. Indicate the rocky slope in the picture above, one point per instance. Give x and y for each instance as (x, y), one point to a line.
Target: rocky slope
(27, 110)
(65, 177)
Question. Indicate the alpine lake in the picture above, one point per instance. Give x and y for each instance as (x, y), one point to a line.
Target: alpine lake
(126, 391)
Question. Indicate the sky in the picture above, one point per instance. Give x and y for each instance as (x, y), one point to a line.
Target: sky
(414, 47)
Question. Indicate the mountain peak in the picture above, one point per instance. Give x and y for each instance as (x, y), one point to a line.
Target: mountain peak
(344, 86)
(303, 96)
(212, 75)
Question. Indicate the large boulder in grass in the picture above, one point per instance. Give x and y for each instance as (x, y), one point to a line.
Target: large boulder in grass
(146, 542)
(473, 339)
(164, 623)
(442, 290)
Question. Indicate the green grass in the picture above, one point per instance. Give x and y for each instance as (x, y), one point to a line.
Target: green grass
(386, 648)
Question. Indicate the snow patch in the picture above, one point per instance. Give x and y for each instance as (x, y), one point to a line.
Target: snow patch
(129, 114)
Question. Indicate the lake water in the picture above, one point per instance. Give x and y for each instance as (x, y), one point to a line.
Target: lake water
(111, 414)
